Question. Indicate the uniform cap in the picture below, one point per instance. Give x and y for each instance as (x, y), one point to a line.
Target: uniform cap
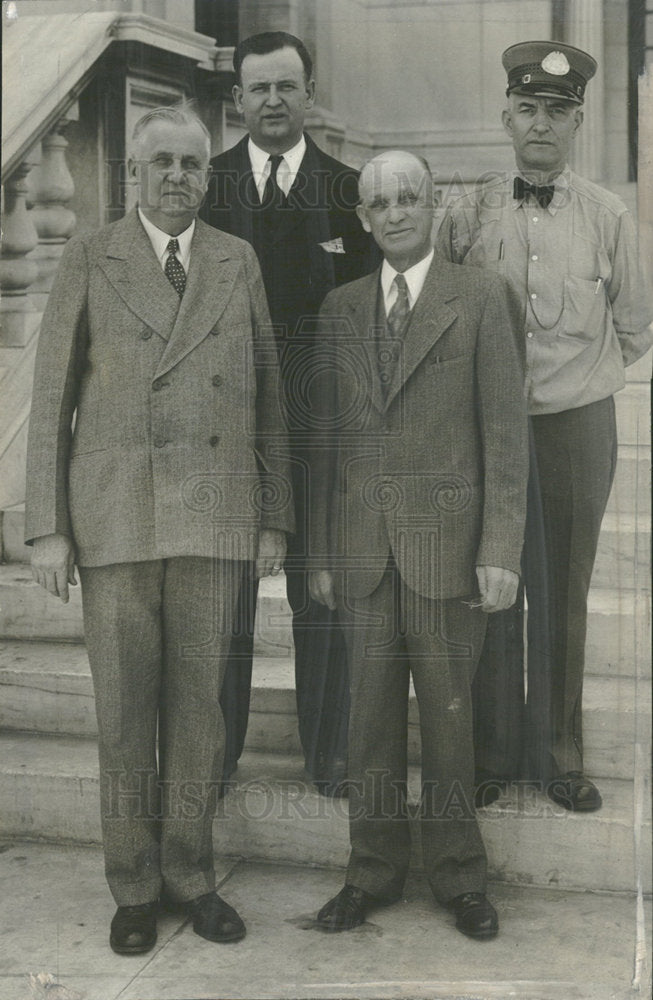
(548, 69)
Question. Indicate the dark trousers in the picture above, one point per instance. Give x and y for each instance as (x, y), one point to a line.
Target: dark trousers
(321, 675)
(539, 735)
(157, 635)
(392, 634)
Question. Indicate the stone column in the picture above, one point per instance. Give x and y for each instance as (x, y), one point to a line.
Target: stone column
(51, 188)
(268, 15)
(584, 29)
(17, 271)
(645, 166)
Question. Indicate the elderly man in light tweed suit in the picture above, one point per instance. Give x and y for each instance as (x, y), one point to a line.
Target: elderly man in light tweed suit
(154, 466)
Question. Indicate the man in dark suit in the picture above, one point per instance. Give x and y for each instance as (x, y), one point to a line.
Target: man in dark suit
(418, 504)
(145, 451)
(296, 206)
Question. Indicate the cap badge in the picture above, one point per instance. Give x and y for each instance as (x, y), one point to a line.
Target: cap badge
(556, 64)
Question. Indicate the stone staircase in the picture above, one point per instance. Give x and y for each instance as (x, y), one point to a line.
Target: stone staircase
(48, 769)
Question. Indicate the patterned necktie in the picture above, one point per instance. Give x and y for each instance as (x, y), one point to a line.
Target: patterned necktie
(174, 270)
(398, 315)
(273, 196)
(543, 194)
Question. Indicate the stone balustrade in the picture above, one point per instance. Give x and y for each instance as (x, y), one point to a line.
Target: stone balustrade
(36, 225)
(51, 188)
(17, 270)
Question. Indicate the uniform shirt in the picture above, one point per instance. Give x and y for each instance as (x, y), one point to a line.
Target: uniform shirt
(160, 240)
(286, 172)
(574, 267)
(415, 277)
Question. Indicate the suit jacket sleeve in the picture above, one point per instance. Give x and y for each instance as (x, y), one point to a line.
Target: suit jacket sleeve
(271, 441)
(60, 360)
(504, 430)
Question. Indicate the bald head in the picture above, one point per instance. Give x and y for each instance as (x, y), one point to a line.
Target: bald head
(393, 163)
(396, 206)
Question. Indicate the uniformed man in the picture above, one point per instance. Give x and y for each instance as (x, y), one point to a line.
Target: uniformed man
(568, 248)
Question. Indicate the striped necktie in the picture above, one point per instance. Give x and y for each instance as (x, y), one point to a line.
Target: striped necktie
(398, 315)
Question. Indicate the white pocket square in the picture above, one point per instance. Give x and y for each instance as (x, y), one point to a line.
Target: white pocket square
(333, 246)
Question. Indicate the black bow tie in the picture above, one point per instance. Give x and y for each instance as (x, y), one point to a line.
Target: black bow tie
(543, 194)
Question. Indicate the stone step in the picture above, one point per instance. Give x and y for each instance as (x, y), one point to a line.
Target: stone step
(623, 559)
(617, 623)
(50, 790)
(47, 688)
(633, 409)
(631, 490)
(13, 524)
(29, 612)
(618, 633)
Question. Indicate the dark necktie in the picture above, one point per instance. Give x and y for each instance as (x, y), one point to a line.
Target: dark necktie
(273, 196)
(542, 194)
(398, 315)
(174, 270)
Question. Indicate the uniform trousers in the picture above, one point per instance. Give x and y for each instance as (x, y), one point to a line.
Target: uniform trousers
(392, 634)
(157, 634)
(575, 453)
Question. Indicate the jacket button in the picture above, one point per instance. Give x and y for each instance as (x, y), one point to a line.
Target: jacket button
(215, 332)
(217, 380)
(214, 440)
(159, 442)
(146, 334)
(157, 385)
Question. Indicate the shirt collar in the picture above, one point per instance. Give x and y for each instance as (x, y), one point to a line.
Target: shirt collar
(290, 164)
(561, 185)
(160, 240)
(415, 277)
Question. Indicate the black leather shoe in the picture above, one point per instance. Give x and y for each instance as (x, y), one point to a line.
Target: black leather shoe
(475, 916)
(214, 919)
(575, 792)
(487, 792)
(332, 789)
(346, 910)
(133, 929)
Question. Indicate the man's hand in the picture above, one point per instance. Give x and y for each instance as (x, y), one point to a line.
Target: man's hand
(320, 585)
(498, 587)
(271, 552)
(53, 564)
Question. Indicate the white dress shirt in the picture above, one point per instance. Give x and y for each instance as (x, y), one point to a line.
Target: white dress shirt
(287, 172)
(160, 240)
(415, 277)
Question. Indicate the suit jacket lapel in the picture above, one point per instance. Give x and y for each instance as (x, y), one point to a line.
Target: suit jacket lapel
(133, 270)
(308, 195)
(209, 284)
(244, 198)
(431, 316)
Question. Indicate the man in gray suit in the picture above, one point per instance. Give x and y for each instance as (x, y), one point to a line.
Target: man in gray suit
(418, 507)
(155, 431)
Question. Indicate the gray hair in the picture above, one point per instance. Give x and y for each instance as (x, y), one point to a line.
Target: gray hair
(178, 114)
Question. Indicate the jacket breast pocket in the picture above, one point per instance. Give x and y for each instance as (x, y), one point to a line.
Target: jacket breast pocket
(441, 364)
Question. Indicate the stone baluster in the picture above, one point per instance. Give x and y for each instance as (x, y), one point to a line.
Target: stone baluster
(51, 188)
(17, 270)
